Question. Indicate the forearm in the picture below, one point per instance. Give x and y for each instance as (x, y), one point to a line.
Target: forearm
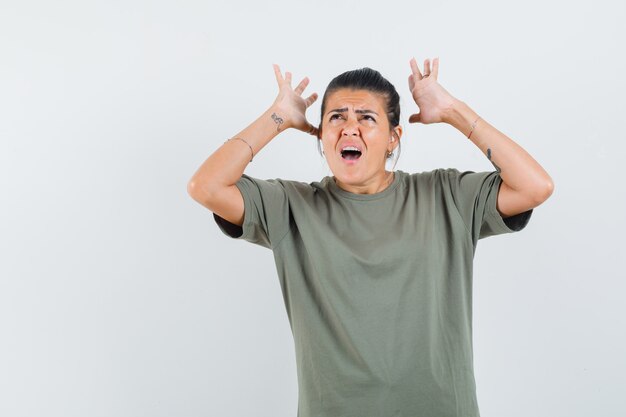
(226, 165)
(516, 167)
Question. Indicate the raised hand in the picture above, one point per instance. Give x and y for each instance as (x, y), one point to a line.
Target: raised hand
(431, 98)
(292, 107)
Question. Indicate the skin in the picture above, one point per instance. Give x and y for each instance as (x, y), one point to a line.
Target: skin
(370, 131)
(525, 184)
(377, 137)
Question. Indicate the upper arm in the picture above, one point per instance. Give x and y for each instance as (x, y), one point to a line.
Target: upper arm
(252, 209)
(511, 202)
(475, 197)
(226, 202)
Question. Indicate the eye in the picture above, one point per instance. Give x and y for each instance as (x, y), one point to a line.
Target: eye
(333, 116)
(367, 115)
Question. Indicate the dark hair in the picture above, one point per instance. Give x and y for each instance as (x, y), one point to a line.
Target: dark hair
(365, 79)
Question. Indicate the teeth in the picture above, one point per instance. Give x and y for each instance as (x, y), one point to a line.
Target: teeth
(350, 148)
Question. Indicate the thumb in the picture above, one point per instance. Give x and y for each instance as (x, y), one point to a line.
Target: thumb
(415, 118)
(312, 130)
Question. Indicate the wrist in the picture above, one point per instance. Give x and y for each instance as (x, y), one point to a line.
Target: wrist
(279, 117)
(460, 115)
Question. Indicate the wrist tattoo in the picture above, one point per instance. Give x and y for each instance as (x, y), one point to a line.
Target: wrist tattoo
(278, 120)
(493, 163)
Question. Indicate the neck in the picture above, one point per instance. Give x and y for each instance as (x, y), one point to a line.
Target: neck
(375, 185)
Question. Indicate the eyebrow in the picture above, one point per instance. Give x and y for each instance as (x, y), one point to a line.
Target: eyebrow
(345, 109)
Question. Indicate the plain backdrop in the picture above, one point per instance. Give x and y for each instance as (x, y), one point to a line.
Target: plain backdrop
(119, 296)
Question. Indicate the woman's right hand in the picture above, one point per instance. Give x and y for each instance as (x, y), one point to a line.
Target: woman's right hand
(290, 104)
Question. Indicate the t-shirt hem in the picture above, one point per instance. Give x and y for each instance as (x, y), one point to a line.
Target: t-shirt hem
(518, 221)
(246, 226)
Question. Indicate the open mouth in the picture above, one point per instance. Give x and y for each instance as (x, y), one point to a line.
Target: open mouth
(350, 155)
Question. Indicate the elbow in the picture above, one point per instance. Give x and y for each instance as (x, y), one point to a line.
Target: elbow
(546, 191)
(200, 192)
(549, 188)
(195, 190)
(191, 187)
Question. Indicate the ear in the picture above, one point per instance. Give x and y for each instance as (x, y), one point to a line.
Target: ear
(397, 133)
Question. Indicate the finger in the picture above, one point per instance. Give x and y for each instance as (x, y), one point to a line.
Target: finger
(416, 71)
(415, 118)
(279, 76)
(288, 77)
(426, 67)
(311, 99)
(436, 67)
(411, 82)
(312, 130)
(300, 88)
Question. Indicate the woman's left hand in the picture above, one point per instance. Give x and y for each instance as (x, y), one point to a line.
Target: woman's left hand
(432, 99)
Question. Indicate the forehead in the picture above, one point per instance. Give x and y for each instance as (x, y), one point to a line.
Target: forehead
(359, 99)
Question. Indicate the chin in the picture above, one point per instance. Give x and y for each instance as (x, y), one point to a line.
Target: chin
(352, 178)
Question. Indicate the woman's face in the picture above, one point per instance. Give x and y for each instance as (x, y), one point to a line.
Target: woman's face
(357, 118)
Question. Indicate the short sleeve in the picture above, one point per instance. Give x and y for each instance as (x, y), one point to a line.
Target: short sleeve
(266, 212)
(475, 195)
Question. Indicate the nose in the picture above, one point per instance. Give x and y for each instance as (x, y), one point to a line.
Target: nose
(351, 128)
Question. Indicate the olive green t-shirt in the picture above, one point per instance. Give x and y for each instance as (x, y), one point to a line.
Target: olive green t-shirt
(378, 287)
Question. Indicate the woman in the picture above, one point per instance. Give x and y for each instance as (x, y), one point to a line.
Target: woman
(375, 266)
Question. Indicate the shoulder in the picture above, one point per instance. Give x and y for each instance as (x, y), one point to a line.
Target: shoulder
(299, 189)
(432, 177)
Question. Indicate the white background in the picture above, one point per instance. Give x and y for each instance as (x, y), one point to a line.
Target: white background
(119, 296)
